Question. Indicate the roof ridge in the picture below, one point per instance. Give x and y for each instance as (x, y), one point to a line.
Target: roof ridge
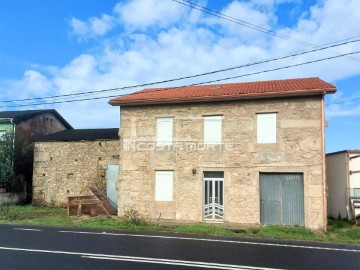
(150, 90)
(230, 83)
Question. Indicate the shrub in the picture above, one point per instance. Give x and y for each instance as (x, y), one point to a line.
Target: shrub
(131, 215)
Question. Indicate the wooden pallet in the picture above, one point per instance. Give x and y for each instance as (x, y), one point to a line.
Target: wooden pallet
(95, 205)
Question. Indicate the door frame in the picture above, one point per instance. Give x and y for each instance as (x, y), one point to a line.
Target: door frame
(213, 180)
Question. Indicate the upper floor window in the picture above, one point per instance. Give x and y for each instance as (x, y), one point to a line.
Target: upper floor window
(164, 131)
(212, 129)
(266, 128)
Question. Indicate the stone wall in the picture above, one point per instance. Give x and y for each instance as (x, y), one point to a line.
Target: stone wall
(63, 169)
(298, 149)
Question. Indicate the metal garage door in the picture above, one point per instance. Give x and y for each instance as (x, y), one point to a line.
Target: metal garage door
(282, 198)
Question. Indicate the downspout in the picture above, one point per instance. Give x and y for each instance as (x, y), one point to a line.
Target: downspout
(323, 162)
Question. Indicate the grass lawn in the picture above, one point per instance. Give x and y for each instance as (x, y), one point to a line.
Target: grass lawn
(341, 231)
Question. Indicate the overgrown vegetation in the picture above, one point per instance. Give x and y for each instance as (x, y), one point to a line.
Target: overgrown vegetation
(16, 159)
(7, 174)
(341, 231)
(23, 157)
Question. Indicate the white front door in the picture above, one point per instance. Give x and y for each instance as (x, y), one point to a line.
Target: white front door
(214, 196)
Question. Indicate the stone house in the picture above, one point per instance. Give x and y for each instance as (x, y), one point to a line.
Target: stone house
(343, 180)
(247, 153)
(67, 163)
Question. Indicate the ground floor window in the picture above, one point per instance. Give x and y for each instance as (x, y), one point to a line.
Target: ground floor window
(164, 186)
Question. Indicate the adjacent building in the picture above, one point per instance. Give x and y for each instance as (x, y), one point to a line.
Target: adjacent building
(32, 124)
(67, 163)
(25, 127)
(248, 153)
(343, 179)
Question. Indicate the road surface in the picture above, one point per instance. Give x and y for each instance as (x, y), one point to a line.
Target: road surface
(29, 247)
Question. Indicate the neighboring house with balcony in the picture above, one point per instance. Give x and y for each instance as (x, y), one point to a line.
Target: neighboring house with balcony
(343, 179)
(248, 153)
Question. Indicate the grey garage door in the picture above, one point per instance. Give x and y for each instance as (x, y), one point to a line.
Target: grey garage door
(282, 198)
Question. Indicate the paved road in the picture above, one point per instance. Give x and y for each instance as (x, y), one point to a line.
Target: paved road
(24, 247)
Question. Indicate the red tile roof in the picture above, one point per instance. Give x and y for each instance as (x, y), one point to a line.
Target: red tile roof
(229, 91)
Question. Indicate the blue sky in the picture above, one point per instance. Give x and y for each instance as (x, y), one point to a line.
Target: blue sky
(50, 47)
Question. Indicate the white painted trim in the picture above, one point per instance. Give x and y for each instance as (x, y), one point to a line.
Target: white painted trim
(178, 262)
(26, 229)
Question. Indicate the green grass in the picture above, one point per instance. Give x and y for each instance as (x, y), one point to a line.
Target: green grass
(340, 231)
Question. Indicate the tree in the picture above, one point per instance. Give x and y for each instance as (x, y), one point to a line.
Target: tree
(23, 156)
(7, 174)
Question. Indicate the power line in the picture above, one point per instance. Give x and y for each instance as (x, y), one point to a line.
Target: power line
(201, 83)
(342, 102)
(279, 68)
(186, 77)
(236, 20)
(58, 102)
(247, 24)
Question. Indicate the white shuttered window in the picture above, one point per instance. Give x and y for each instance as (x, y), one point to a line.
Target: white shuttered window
(164, 186)
(266, 128)
(164, 131)
(212, 129)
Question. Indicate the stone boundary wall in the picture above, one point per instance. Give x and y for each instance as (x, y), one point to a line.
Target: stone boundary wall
(12, 198)
(63, 169)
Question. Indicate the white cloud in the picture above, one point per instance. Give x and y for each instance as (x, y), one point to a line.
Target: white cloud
(271, 3)
(92, 27)
(342, 105)
(165, 40)
(141, 14)
(33, 83)
(244, 11)
(136, 14)
(342, 110)
(79, 27)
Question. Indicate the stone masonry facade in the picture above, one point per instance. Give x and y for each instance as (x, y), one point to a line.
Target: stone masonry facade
(63, 169)
(298, 149)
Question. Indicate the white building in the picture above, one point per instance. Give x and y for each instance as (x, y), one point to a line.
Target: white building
(343, 180)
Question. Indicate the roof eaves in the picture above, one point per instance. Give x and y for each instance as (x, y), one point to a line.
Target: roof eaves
(76, 140)
(29, 114)
(343, 152)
